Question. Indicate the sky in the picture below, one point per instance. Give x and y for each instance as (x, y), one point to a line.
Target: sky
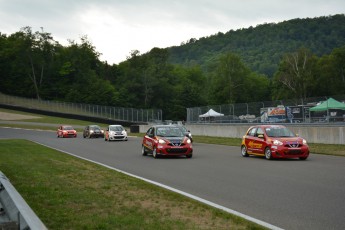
(117, 27)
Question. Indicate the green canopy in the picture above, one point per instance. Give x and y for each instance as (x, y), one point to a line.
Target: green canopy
(329, 104)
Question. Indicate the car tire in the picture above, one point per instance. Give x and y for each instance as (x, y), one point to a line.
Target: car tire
(268, 153)
(154, 153)
(244, 151)
(189, 155)
(143, 150)
(303, 158)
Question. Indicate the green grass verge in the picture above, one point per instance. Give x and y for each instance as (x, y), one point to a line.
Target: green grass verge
(70, 193)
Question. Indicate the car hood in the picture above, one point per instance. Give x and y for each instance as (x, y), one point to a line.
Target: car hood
(289, 140)
(173, 140)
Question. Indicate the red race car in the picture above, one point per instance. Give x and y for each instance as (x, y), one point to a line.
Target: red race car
(273, 141)
(66, 131)
(167, 140)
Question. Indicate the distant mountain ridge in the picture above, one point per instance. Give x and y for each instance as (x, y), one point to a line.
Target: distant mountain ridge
(263, 46)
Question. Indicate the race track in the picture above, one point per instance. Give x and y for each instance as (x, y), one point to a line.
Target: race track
(290, 194)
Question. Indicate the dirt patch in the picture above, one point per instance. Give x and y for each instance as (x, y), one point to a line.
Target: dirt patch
(12, 116)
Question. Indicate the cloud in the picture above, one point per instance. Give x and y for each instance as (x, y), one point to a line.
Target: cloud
(115, 27)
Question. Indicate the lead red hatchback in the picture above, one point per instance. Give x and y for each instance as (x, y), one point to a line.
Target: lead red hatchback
(273, 141)
(167, 140)
(66, 131)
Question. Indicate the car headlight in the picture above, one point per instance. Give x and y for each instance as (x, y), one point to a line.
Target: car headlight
(160, 141)
(304, 142)
(277, 142)
(91, 131)
(188, 141)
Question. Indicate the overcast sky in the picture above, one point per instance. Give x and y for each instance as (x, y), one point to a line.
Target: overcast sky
(116, 27)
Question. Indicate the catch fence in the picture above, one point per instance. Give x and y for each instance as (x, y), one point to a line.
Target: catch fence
(99, 111)
(292, 111)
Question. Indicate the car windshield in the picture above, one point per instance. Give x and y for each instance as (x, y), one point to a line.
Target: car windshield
(184, 129)
(94, 127)
(115, 128)
(169, 132)
(279, 132)
(67, 128)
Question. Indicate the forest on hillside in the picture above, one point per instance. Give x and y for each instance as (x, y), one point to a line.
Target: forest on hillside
(239, 66)
(262, 47)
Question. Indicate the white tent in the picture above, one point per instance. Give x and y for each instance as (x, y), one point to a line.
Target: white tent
(211, 113)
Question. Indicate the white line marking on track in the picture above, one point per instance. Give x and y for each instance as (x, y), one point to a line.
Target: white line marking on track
(228, 210)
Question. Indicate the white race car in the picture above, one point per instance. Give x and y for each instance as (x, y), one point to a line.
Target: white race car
(115, 132)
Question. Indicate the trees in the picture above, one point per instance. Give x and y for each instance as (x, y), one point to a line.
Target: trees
(37, 53)
(233, 82)
(330, 77)
(227, 78)
(295, 76)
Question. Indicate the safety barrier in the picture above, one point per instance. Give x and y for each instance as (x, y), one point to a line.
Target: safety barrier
(15, 213)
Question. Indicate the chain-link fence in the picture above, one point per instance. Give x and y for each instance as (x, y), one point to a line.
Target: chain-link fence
(108, 112)
(292, 111)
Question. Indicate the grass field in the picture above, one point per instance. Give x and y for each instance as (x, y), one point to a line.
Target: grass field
(70, 193)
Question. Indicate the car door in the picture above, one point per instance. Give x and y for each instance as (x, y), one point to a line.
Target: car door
(259, 141)
(250, 139)
(149, 139)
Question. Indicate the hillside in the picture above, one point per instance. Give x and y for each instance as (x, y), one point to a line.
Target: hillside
(262, 47)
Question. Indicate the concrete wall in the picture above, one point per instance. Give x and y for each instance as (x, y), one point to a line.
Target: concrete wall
(326, 134)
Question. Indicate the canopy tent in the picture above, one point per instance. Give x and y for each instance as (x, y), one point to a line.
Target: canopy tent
(211, 113)
(329, 104)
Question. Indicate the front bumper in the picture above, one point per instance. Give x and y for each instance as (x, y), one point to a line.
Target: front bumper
(285, 152)
(118, 137)
(175, 150)
(69, 135)
(97, 135)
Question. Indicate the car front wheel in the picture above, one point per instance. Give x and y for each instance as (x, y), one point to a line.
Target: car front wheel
(244, 151)
(154, 152)
(143, 150)
(268, 154)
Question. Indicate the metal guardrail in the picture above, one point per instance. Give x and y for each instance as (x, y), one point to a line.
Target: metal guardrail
(15, 213)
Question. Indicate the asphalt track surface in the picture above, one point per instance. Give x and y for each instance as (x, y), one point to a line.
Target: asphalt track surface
(289, 194)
